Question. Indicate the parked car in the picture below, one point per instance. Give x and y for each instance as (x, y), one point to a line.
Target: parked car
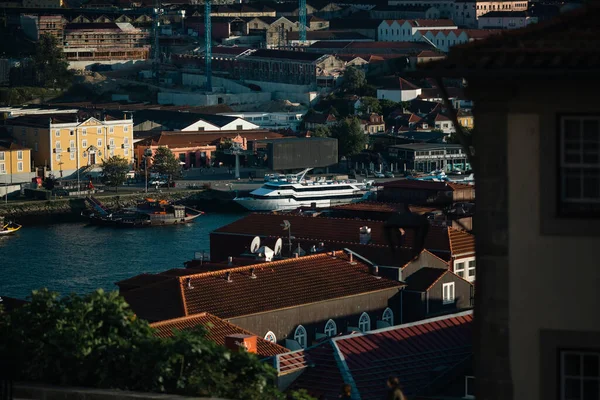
(158, 182)
(378, 174)
(389, 174)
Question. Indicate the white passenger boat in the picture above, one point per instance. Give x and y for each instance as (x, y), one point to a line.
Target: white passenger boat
(292, 191)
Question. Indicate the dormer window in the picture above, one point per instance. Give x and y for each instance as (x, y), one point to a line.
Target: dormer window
(300, 336)
(364, 323)
(270, 337)
(330, 328)
(388, 316)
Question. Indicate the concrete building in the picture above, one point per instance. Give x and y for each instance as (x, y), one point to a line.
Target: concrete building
(503, 20)
(242, 11)
(444, 7)
(167, 120)
(35, 26)
(86, 44)
(43, 3)
(467, 12)
(272, 120)
(405, 30)
(537, 205)
(427, 157)
(15, 162)
(398, 89)
(64, 143)
(424, 11)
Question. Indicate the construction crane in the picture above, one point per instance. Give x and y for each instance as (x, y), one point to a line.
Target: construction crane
(208, 44)
(302, 21)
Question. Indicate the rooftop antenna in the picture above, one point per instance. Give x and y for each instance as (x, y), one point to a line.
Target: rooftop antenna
(278, 246)
(288, 227)
(255, 245)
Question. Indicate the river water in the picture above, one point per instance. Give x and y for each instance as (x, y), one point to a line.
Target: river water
(78, 258)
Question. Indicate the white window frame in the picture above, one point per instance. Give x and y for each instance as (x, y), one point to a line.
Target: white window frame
(57, 133)
(388, 316)
(2, 156)
(57, 145)
(300, 336)
(126, 128)
(2, 168)
(99, 131)
(19, 166)
(581, 377)
(582, 166)
(111, 129)
(58, 157)
(364, 322)
(471, 268)
(99, 142)
(330, 329)
(19, 154)
(84, 132)
(270, 337)
(84, 143)
(459, 268)
(111, 142)
(71, 156)
(447, 297)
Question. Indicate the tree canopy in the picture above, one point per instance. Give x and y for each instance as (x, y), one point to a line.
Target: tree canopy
(114, 171)
(369, 105)
(96, 340)
(322, 131)
(350, 135)
(49, 64)
(165, 163)
(354, 78)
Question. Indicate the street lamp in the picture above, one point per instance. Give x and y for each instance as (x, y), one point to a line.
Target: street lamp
(147, 154)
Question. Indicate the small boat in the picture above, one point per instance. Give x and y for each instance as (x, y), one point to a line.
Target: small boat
(8, 228)
(148, 213)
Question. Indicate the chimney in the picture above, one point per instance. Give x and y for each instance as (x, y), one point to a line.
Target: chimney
(252, 274)
(228, 277)
(365, 235)
(230, 261)
(241, 341)
(351, 257)
(188, 282)
(296, 255)
(376, 271)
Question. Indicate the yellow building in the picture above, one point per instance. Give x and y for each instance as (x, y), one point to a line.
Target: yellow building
(67, 142)
(15, 162)
(465, 118)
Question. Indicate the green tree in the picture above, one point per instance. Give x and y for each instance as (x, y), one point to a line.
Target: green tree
(351, 137)
(114, 171)
(369, 105)
(387, 106)
(165, 163)
(49, 64)
(96, 340)
(354, 78)
(322, 131)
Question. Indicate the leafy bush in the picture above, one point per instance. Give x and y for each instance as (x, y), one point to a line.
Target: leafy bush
(96, 340)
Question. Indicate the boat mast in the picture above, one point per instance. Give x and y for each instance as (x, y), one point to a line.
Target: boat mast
(300, 176)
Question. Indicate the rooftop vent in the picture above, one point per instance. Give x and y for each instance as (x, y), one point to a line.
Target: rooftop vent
(188, 282)
(252, 274)
(228, 277)
(237, 342)
(365, 235)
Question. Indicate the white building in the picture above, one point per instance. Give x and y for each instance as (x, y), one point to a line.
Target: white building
(404, 30)
(467, 12)
(503, 20)
(274, 120)
(398, 89)
(444, 124)
(445, 7)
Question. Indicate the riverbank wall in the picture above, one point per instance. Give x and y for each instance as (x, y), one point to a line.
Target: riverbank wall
(70, 209)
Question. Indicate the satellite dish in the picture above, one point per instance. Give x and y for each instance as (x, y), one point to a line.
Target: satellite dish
(255, 245)
(286, 225)
(278, 246)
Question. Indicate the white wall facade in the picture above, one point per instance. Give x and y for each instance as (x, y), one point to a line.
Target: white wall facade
(403, 31)
(502, 23)
(398, 95)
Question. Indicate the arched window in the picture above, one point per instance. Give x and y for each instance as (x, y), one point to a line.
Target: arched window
(364, 323)
(300, 336)
(270, 337)
(388, 316)
(330, 328)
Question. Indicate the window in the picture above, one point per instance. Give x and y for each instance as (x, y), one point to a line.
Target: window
(126, 140)
(72, 133)
(1, 156)
(84, 132)
(300, 336)
(20, 155)
(99, 142)
(239, 127)
(448, 293)
(35, 146)
(126, 128)
(111, 129)
(57, 145)
(469, 387)
(364, 323)
(579, 165)
(71, 156)
(270, 337)
(126, 152)
(84, 143)
(579, 375)
(72, 144)
(58, 157)
(459, 269)
(111, 142)
(330, 328)
(2, 168)
(388, 316)
(472, 269)
(99, 131)
(57, 133)
(35, 132)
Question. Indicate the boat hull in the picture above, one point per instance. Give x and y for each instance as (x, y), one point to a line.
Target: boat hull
(290, 204)
(125, 222)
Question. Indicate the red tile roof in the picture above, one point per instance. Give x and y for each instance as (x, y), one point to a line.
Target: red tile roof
(278, 284)
(217, 330)
(372, 206)
(416, 353)
(186, 139)
(461, 243)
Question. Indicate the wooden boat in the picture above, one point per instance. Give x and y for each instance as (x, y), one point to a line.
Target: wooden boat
(148, 213)
(8, 228)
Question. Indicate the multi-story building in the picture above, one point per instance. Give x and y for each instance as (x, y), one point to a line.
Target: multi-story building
(405, 30)
(445, 7)
(427, 157)
(43, 3)
(15, 162)
(503, 20)
(105, 42)
(242, 11)
(35, 26)
(467, 12)
(68, 142)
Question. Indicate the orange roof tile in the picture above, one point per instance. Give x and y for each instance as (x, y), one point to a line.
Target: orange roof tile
(461, 243)
(279, 284)
(217, 330)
